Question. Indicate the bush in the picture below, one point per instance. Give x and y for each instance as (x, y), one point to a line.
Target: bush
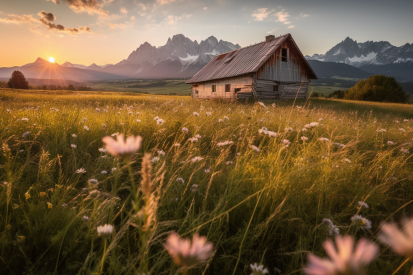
(378, 88)
(3, 84)
(316, 95)
(18, 81)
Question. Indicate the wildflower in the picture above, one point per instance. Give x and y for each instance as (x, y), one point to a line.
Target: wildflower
(114, 134)
(311, 125)
(304, 130)
(288, 129)
(105, 230)
(80, 171)
(262, 119)
(220, 120)
(402, 130)
(286, 142)
(263, 131)
(195, 159)
(208, 113)
(104, 172)
(102, 150)
(181, 180)
(255, 148)
(262, 104)
(363, 204)
(86, 218)
(226, 118)
(120, 148)
(273, 105)
(138, 120)
(49, 205)
(344, 259)
(26, 134)
(93, 181)
(160, 121)
(18, 119)
(103, 125)
(405, 120)
(228, 162)
(197, 136)
(258, 269)
(324, 139)
(401, 241)
(176, 144)
(347, 160)
(304, 138)
(74, 135)
(381, 130)
(156, 118)
(114, 169)
(155, 159)
(207, 170)
(223, 143)
(404, 150)
(184, 129)
(320, 119)
(185, 253)
(194, 187)
(390, 142)
(362, 222)
(161, 152)
(64, 204)
(84, 119)
(332, 229)
(21, 151)
(193, 139)
(196, 114)
(8, 110)
(73, 146)
(86, 128)
(25, 119)
(27, 195)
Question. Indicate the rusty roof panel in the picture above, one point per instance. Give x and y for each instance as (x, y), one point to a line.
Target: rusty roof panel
(242, 61)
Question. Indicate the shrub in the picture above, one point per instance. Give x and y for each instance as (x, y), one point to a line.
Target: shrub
(378, 88)
(18, 81)
(337, 94)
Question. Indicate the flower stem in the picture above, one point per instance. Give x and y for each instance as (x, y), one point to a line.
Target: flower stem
(103, 258)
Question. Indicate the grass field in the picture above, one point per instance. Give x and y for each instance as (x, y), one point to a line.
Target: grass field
(160, 87)
(263, 206)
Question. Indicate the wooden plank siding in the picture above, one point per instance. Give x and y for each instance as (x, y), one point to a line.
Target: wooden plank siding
(264, 89)
(205, 88)
(291, 71)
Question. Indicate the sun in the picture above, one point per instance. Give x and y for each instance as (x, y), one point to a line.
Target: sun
(51, 60)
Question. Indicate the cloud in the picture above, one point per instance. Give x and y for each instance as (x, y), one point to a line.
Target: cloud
(292, 26)
(282, 16)
(174, 19)
(123, 10)
(17, 19)
(272, 31)
(47, 19)
(142, 6)
(163, 2)
(287, 22)
(205, 8)
(303, 15)
(88, 6)
(261, 14)
(113, 26)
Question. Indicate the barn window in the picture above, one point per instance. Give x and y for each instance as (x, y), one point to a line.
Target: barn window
(214, 88)
(227, 88)
(196, 92)
(238, 90)
(284, 55)
(275, 88)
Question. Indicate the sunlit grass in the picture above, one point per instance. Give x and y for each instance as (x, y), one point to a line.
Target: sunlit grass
(265, 207)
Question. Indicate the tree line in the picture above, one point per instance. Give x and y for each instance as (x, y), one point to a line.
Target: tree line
(19, 81)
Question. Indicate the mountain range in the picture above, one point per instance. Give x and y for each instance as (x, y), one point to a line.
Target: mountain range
(181, 57)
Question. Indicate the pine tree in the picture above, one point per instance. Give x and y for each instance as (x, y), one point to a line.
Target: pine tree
(18, 81)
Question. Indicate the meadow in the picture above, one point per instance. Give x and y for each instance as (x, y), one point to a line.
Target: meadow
(258, 195)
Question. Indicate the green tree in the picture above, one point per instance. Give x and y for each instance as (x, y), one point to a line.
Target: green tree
(378, 88)
(18, 81)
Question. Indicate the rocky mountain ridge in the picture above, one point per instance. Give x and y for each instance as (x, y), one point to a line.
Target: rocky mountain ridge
(356, 54)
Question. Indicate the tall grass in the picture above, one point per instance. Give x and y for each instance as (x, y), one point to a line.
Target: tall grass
(265, 207)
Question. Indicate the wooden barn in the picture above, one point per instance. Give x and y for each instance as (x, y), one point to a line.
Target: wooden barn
(273, 69)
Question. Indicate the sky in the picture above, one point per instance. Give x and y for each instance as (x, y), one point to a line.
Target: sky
(107, 31)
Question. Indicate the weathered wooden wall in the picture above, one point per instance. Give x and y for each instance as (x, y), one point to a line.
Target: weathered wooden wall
(292, 71)
(205, 88)
(264, 89)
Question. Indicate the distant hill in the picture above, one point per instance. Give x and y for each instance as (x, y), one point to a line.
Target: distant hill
(330, 69)
(401, 71)
(42, 69)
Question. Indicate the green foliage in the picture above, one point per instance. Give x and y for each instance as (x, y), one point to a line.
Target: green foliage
(339, 94)
(315, 95)
(253, 206)
(18, 81)
(378, 88)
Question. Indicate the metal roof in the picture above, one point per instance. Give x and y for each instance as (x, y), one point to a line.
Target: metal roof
(244, 61)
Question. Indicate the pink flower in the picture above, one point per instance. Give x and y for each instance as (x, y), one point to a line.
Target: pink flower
(185, 253)
(121, 149)
(400, 241)
(343, 260)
